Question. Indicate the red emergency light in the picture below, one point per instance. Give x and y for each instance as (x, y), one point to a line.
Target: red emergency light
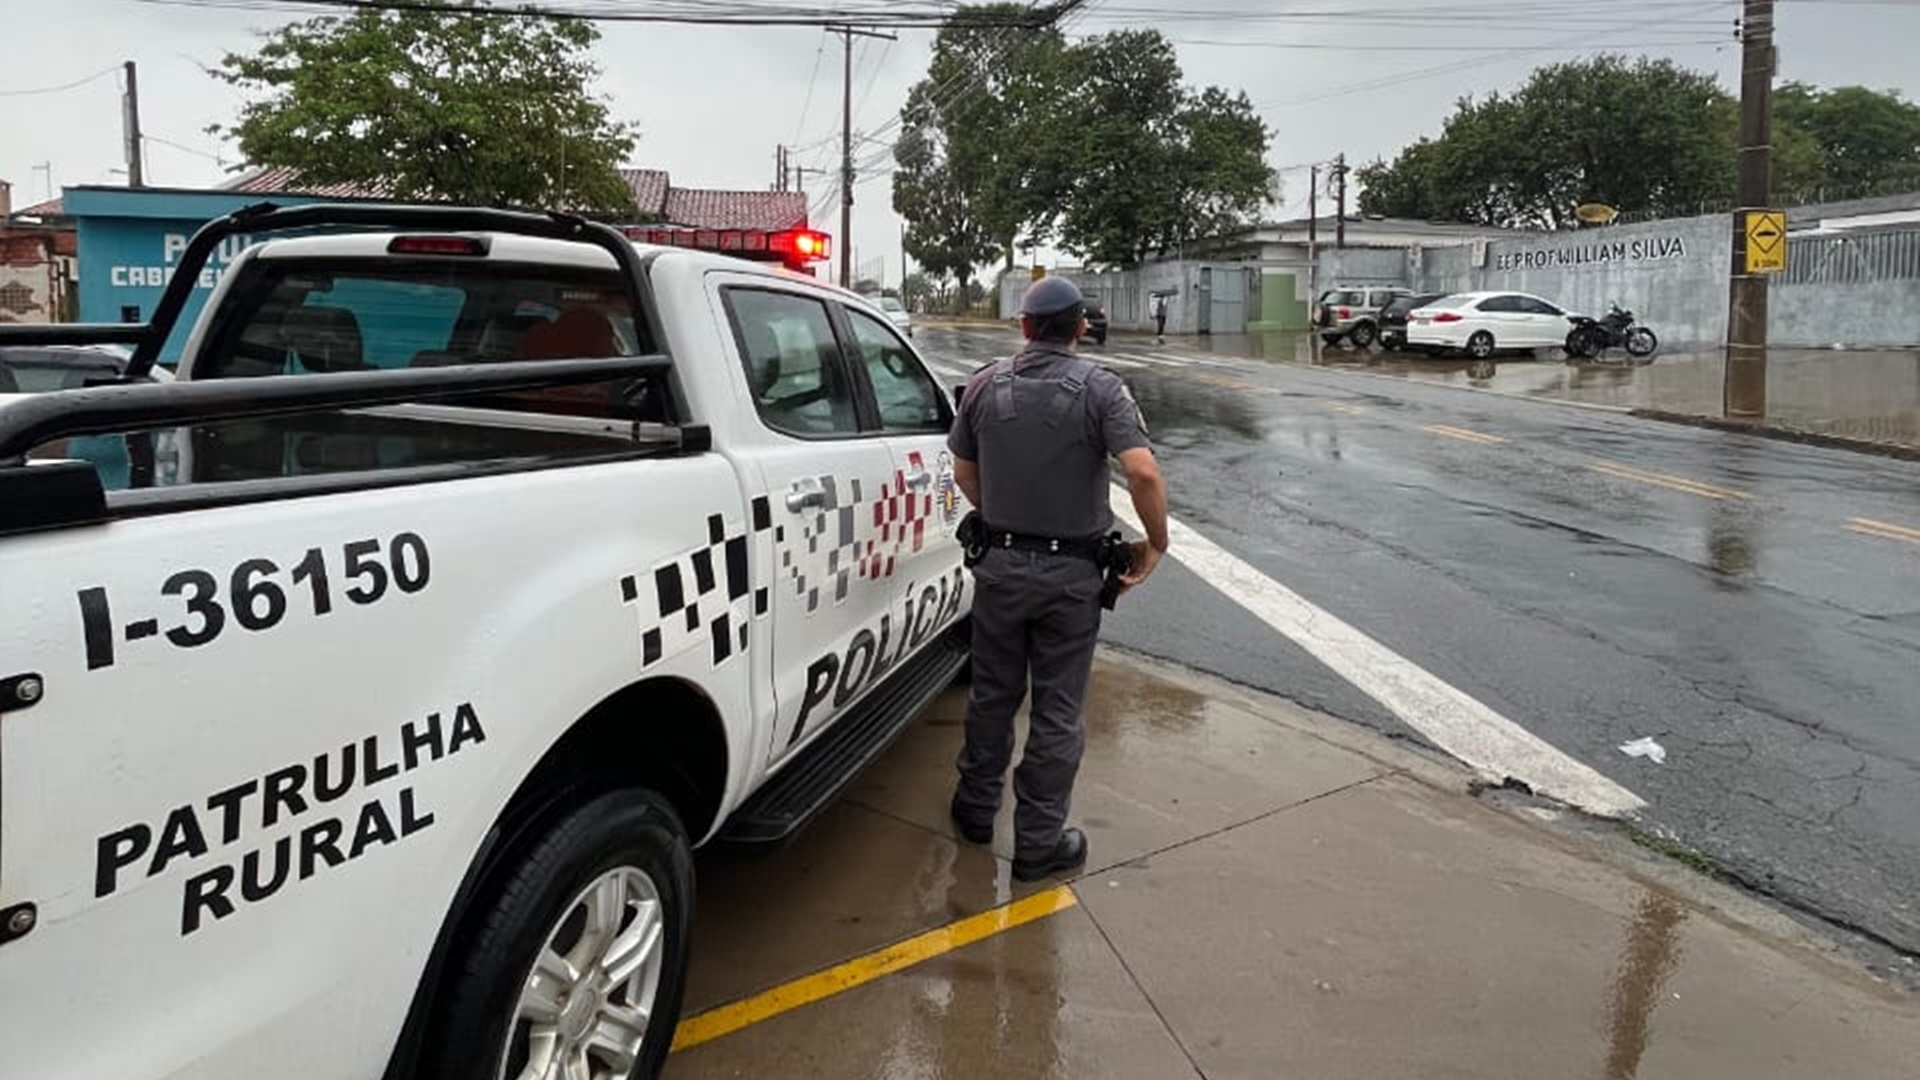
(437, 245)
(796, 248)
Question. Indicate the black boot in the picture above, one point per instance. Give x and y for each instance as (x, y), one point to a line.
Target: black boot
(1070, 853)
(971, 832)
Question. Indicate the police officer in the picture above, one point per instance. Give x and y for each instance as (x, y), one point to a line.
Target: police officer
(1031, 448)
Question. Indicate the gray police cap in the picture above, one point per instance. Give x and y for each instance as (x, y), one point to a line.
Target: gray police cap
(1050, 296)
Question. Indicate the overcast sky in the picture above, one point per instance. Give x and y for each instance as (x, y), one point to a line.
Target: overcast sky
(712, 103)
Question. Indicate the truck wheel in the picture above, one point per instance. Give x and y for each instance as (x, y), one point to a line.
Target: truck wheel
(1480, 345)
(576, 959)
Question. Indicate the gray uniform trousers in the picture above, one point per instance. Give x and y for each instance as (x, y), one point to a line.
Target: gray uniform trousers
(1037, 614)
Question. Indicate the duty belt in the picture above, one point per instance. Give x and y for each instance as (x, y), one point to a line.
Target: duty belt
(1084, 549)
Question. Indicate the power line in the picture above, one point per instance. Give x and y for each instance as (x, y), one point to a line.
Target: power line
(148, 136)
(1380, 47)
(732, 14)
(813, 80)
(1578, 42)
(102, 73)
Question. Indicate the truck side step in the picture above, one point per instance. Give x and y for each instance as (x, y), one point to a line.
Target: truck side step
(806, 785)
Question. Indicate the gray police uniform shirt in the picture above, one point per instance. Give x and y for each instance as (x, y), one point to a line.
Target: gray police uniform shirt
(1042, 476)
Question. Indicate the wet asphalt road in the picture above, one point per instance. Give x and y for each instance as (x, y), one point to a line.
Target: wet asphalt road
(1594, 577)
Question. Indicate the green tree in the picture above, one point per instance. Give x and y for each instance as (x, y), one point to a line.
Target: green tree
(945, 234)
(1017, 138)
(1864, 137)
(1628, 134)
(988, 105)
(435, 104)
(1155, 163)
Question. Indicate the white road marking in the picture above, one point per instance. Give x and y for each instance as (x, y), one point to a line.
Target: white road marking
(1491, 744)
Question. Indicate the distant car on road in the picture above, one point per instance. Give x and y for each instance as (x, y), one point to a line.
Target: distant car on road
(1352, 312)
(40, 369)
(1393, 317)
(897, 314)
(1483, 323)
(1096, 321)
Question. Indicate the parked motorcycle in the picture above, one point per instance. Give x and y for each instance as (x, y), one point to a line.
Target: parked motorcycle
(1590, 337)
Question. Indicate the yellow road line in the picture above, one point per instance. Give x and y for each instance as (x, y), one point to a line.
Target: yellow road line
(1665, 480)
(1463, 434)
(727, 1019)
(1351, 410)
(1884, 529)
(1226, 381)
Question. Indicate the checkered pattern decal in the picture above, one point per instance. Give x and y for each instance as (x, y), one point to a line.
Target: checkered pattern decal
(705, 593)
(850, 538)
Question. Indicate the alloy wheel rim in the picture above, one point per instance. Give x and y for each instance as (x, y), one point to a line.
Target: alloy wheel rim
(587, 999)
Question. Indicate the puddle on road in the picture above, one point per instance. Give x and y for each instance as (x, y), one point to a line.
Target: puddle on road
(1871, 394)
(1648, 958)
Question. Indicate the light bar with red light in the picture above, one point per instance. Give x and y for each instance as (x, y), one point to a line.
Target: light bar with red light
(794, 247)
(437, 245)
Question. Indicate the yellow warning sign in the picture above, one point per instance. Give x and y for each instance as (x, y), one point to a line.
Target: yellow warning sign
(1766, 241)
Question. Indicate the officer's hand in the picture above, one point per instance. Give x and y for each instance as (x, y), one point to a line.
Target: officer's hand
(1145, 558)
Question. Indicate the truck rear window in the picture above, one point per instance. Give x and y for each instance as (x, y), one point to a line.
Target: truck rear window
(311, 318)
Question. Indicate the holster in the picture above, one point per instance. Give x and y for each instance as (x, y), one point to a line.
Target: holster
(1115, 559)
(972, 535)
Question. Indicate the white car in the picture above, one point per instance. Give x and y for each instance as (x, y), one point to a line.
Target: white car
(897, 314)
(1483, 323)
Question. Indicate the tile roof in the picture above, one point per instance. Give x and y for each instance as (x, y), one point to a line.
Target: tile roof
(50, 208)
(736, 209)
(653, 194)
(279, 179)
(650, 187)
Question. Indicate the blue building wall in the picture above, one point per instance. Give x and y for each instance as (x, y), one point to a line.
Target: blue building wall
(131, 240)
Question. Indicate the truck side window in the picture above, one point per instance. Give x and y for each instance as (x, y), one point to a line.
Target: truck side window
(908, 398)
(793, 362)
(315, 317)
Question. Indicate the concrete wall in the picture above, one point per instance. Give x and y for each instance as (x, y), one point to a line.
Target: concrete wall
(1128, 295)
(34, 279)
(1884, 313)
(1671, 274)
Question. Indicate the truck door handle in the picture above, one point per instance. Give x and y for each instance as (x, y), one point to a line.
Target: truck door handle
(920, 481)
(806, 493)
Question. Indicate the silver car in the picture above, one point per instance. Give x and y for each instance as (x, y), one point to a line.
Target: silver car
(897, 313)
(1353, 312)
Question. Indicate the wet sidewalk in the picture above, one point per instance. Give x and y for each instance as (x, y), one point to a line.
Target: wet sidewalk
(1271, 893)
(1869, 395)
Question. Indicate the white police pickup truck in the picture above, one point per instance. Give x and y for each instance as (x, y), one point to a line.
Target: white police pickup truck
(476, 567)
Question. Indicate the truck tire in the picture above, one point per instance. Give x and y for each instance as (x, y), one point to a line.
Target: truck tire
(586, 927)
(1362, 334)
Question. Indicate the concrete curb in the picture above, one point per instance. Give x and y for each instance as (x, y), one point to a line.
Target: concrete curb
(1808, 438)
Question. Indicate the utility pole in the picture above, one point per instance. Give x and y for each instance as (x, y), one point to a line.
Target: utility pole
(1745, 389)
(779, 167)
(847, 34)
(799, 174)
(136, 176)
(1340, 202)
(46, 167)
(1313, 233)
